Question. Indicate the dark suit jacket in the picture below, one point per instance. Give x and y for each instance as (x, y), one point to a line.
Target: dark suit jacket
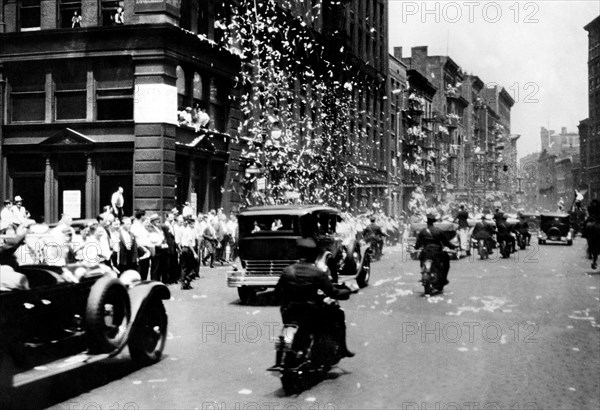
(301, 281)
(127, 257)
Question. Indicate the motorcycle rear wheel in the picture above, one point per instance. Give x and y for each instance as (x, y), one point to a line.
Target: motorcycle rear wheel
(483, 253)
(292, 383)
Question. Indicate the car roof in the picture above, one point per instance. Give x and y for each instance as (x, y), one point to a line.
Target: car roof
(555, 215)
(287, 210)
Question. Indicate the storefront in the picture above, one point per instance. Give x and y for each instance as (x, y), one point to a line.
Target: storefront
(68, 173)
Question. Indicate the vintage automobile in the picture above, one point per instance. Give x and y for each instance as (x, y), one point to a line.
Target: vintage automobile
(555, 227)
(64, 317)
(267, 244)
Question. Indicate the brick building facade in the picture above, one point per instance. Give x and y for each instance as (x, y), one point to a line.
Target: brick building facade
(590, 151)
(91, 108)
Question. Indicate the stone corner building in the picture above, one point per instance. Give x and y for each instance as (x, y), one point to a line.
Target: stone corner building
(86, 110)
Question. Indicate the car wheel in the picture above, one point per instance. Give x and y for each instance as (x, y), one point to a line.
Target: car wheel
(148, 337)
(246, 295)
(107, 315)
(365, 272)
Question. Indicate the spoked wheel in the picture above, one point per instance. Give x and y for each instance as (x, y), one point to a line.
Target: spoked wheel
(107, 314)
(148, 338)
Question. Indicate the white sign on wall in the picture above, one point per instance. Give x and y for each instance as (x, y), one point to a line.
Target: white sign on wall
(261, 184)
(72, 203)
(194, 202)
(154, 103)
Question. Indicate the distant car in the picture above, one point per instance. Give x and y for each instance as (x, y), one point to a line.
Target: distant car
(68, 316)
(267, 244)
(555, 228)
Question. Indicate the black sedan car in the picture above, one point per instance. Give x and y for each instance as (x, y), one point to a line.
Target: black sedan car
(267, 244)
(57, 318)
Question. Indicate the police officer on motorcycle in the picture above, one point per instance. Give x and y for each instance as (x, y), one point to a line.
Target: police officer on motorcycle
(298, 289)
(504, 231)
(374, 236)
(433, 241)
(523, 229)
(484, 231)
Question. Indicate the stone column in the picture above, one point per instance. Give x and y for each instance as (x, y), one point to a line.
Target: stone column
(90, 192)
(10, 17)
(90, 91)
(207, 186)
(155, 114)
(50, 192)
(89, 13)
(49, 98)
(191, 185)
(48, 14)
(2, 109)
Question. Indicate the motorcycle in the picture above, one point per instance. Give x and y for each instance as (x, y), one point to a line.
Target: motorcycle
(430, 271)
(521, 241)
(504, 248)
(305, 351)
(482, 248)
(375, 249)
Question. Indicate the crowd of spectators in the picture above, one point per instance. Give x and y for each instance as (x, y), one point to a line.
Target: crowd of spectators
(196, 118)
(169, 249)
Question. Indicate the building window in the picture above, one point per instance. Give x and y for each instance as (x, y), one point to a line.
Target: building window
(108, 9)
(198, 90)
(70, 93)
(180, 84)
(218, 113)
(67, 10)
(185, 19)
(29, 15)
(114, 91)
(27, 95)
(203, 18)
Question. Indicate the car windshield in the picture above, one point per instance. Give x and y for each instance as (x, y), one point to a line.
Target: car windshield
(260, 225)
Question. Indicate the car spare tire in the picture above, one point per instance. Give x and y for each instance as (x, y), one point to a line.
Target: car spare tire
(107, 315)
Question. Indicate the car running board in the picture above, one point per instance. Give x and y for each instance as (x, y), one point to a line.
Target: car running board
(53, 368)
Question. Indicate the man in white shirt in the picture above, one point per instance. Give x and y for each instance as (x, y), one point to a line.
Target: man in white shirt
(232, 230)
(188, 253)
(117, 200)
(6, 215)
(187, 210)
(19, 211)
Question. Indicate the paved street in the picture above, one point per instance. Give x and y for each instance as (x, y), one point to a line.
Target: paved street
(521, 333)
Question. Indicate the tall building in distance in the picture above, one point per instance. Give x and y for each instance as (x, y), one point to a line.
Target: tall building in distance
(590, 149)
(448, 107)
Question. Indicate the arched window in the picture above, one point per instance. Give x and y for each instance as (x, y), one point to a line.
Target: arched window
(218, 112)
(181, 101)
(197, 89)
